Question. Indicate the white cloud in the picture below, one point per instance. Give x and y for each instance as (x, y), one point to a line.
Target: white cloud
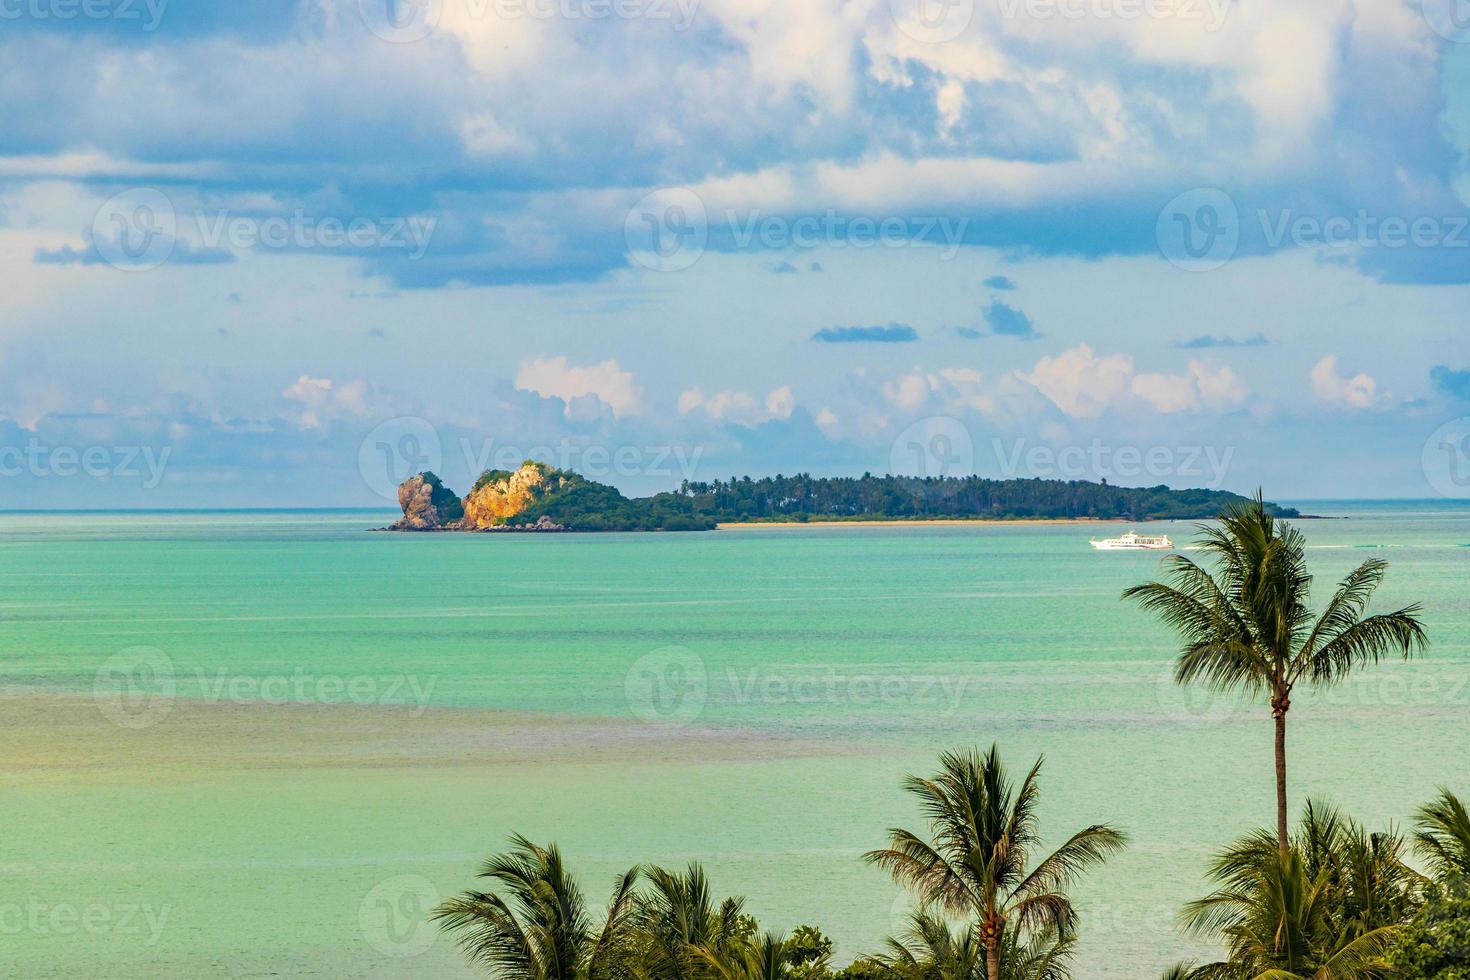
(1166, 392)
(963, 388)
(1219, 387)
(780, 402)
(554, 377)
(690, 400)
(1079, 382)
(1201, 386)
(956, 390)
(323, 398)
(739, 407)
(1359, 391)
(907, 391)
(1084, 385)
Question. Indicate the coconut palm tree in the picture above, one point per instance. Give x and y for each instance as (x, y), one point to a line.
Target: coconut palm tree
(1442, 837)
(1249, 626)
(767, 957)
(975, 862)
(1326, 911)
(679, 929)
(929, 949)
(540, 928)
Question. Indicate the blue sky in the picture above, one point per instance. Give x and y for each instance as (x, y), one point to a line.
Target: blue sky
(285, 250)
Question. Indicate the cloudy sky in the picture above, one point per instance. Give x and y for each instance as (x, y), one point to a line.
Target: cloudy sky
(277, 253)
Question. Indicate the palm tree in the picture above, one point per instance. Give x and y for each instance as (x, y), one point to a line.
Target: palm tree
(1325, 911)
(930, 950)
(768, 957)
(541, 928)
(1250, 627)
(1443, 838)
(975, 862)
(680, 930)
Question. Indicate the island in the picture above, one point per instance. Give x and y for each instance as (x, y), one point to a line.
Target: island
(540, 498)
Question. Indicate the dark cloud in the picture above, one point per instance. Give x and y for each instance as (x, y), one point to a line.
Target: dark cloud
(1206, 341)
(1448, 381)
(1007, 321)
(893, 333)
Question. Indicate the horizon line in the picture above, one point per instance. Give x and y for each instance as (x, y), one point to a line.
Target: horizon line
(391, 507)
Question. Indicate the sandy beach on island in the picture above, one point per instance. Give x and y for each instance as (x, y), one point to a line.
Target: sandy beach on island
(943, 522)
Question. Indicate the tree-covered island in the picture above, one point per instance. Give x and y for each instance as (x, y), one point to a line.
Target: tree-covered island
(538, 497)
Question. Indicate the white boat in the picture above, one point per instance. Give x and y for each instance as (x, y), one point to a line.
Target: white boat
(1133, 541)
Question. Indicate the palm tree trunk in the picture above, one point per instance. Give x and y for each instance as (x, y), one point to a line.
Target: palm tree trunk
(1279, 706)
(992, 926)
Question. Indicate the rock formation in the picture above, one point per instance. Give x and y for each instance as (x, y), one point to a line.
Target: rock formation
(537, 497)
(499, 495)
(428, 504)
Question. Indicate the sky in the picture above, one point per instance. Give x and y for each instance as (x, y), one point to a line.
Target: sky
(285, 253)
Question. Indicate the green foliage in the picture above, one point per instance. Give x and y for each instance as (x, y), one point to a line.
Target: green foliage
(537, 925)
(1249, 623)
(579, 504)
(573, 501)
(444, 499)
(866, 968)
(1436, 944)
(1442, 837)
(931, 949)
(810, 953)
(1326, 909)
(1342, 904)
(975, 862)
(805, 497)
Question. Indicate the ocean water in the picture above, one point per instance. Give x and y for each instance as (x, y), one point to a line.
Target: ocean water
(262, 744)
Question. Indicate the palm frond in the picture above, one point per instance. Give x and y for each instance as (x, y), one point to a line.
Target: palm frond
(1082, 852)
(1442, 837)
(1366, 641)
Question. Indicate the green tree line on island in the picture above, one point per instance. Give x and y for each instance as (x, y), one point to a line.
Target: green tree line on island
(584, 505)
(1326, 900)
(804, 496)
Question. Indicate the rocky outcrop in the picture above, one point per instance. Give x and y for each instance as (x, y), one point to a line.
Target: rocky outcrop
(428, 505)
(537, 498)
(543, 523)
(500, 495)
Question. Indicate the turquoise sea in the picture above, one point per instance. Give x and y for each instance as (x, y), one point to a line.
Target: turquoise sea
(261, 744)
